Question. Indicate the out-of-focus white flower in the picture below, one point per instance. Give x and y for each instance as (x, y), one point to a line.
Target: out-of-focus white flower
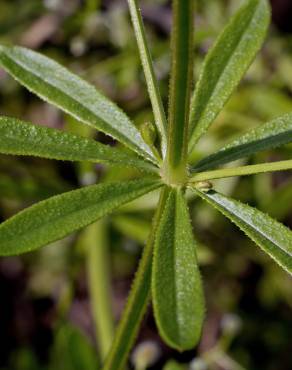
(88, 178)
(231, 324)
(198, 364)
(145, 354)
(78, 46)
(52, 4)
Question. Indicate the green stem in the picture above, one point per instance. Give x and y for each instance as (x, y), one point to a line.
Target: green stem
(137, 301)
(175, 168)
(242, 171)
(151, 81)
(95, 240)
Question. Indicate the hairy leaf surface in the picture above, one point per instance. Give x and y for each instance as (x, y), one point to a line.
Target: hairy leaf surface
(177, 290)
(273, 237)
(55, 84)
(226, 63)
(270, 135)
(22, 138)
(56, 217)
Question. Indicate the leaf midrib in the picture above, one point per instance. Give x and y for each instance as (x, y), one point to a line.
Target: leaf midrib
(176, 288)
(31, 230)
(176, 305)
(91, 150)
(91, 157)
(86, 109)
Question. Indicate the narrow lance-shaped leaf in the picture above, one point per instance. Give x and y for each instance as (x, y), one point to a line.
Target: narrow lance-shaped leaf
(56, 217)
(55, 84)
(176, 286)
(151, 81)
(226, 63)
(138, 299)
(273, 237)
(270, 135)
(22, 138)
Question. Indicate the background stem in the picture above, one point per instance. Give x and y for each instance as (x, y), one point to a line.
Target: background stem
(94, 239)
(99, 283)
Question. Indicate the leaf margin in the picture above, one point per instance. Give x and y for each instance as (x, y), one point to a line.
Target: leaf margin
(51, 143)
(285, 263)
(176, 203)
(197, 128)
(242, 146)
(52, 211)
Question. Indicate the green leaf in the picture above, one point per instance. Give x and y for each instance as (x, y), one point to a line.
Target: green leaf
(180, 85)
(151, 81)
(55, 84)
(25, 358)
(173, 365)
(72, 350)
(132, 226)
(176, 286)
(279, 204)
(21, 138)
(58, 216)
(138, 299)
(27, 188)
(273, 237)
(226, 63)
(270, 135)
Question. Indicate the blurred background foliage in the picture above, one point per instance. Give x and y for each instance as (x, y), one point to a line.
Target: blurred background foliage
(47, 319)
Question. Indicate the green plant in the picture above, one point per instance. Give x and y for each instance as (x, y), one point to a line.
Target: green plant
(168, 267)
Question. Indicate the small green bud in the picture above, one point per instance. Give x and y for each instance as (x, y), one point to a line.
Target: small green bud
(204, 186)
(148, 132)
